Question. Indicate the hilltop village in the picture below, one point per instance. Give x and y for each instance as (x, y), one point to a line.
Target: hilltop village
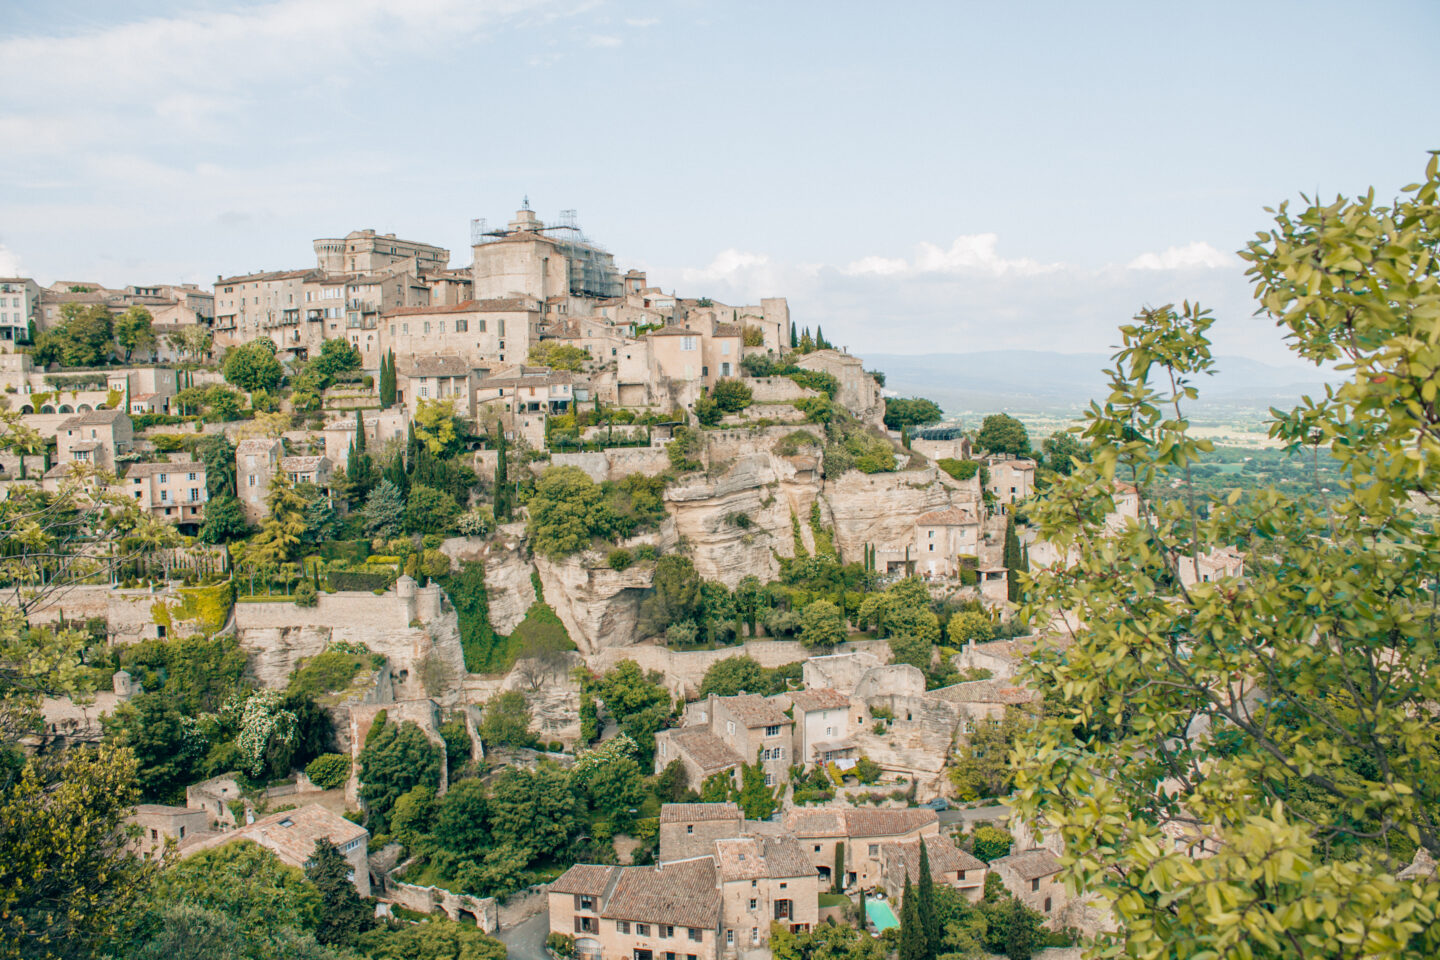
(530, 586)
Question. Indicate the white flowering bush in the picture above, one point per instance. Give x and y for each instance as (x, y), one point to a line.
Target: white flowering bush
(263, 722)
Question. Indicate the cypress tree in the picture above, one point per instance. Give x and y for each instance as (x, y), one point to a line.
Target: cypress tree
(837, 880)
(912, 933)
(359, 446)
(925, 893)
(1012, 559)
(387, 380)
(820, 343)
(502, 485)
(793, 339)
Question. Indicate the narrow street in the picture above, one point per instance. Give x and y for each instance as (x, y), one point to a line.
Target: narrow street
(526, 940)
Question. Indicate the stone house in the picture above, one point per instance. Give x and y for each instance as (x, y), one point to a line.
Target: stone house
(671, 911)
(256, 461)
(486, 334)
(943, 538)
(436, 378)
(214, 797)
(764, 880)
(314, 469)
(862, 833)
(381, 426)
(19, 306)
(691, 829)
(858, 393)
(159, 823)
(749, 726)
(172, 492)
(1011, 478)
(267, 304)
(1033, 877)
(699, 751)
(291, 836)
(822, 725)
(95, 437)
(1220, 563)
(524, 398)
(948, 865)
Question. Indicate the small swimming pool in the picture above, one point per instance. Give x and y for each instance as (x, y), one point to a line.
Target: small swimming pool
(881, 915)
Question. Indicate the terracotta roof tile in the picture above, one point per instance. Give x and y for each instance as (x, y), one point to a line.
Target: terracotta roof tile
(754, 710)
(819, 698)
(708, 751)
(681, 893)
(589, 879)
(698, 812)
(1029, 864)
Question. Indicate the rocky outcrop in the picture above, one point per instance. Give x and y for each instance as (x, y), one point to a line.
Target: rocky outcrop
(881, 508)
(735, 525)
(599, 606)
(508, 586)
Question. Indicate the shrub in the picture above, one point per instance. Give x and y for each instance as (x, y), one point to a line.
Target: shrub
(353, 580)
(707, 411)
(560, 944)
(731, 396)
(329, 770)
(792, 443)
(959, 469)
(646, 551)
(620, 559)
(306, 595)
(970, 625)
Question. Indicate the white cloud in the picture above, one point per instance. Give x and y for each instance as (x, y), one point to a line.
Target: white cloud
(642, 21)
(1197, 255)
(973, 253)
(9, 263)
(604, 40)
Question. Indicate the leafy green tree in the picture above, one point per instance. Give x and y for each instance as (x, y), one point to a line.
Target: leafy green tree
(822, 625)
(413, 814)
(533, 809)
(437, 427)
(82, 338)
(732, 396)
(672, 783)
(717, 788)
(755, 798)
(253, 365)
(991, 842)
(970, 625)
(430, 511)
(567, 511)
(68, 885)
(901, 413)
(461, 818)
(337, 356)
(1061, 449)
(638, 701)
(615, 787)
(283, 528)
(329, 770)
(506, 721)
(218, 454)
(557, 355)
(134, 330)
(707, 411)
(434, 939)
(223, 403)
(1002, 433)
(344, 916)
(167, 750)
(384, 510)
(1314, 668)
(224, 520)
(396, 758)
(674, 597)
(826, 942)
(982, 767)
(726, 678)
(916, 651)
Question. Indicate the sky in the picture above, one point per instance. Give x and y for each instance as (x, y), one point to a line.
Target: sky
(914, 177)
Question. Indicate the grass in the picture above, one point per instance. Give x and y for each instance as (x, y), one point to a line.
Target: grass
(833, 900)
(327, 672)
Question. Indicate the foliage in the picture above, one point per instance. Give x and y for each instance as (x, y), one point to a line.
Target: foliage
(639, 702)
(1015, 565)
(283, 527)
(434, 939)
(752, 336)
(396, 757)
(990, 842)
(329, 770)
(480, 645)
(969, 625)
(619, 559)
(253, 365)
(343, 915)
(822, 625)
(672, 783)
(224, 520)
(755, 798)
(731, 396)
(915, 412)
(674, 597)
(557, 355)
(826, 942)
(727, 677)
(331, 669)
(475, 522)
(437, 427)
(218, 455)
(817, 380)
(506, 721)
(707, 411)
(267, 734)
(336, 356)
(81, 338)
(795, 441)
(164, 745)
(1317, 669)
(567, 511)
(1061, 449)
(430, 511)
(247, 884)
(68, 885)
(134, 330)
(1002, 433)
(859, 449)
(982, 765)
(384, 510)
(961, 469)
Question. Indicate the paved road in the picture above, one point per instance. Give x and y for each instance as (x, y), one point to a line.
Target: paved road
(526, 941)
(952, 817)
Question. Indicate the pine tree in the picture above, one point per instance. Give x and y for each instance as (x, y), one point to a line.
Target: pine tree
(343, 915)
(925, 893)
(912, 932)
(1012, 559)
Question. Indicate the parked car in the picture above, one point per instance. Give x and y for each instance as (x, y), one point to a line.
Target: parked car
(938, 804)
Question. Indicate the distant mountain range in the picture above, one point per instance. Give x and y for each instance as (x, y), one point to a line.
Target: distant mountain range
(1042, 382)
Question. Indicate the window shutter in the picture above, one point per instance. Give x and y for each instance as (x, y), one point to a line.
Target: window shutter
(577, 924)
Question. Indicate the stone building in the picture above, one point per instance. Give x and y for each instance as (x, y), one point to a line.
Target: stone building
(486, 334)
(436, 378)
(822, 725)
(747, 726)
(381, 426)
(1220, 563)
(764, 880)
(172, 492)
(255, 305)
(949, 865)
(1033, 876)
(1011, 478)
(159, 824)
(524, 398)
(291, 835)
(366, 252)
(859, 836)
(314, 469)
(95, 438)
(858, 393)
(671, 910)
(530, 259)
(256, 461)
(19, 307)
(691, 829)
(945, 540)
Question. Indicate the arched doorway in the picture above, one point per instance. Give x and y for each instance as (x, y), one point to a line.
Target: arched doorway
(66, 408)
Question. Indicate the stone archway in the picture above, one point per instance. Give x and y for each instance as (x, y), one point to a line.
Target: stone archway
(66, 408)
(47, 408)
(27, 409)
(83, 408)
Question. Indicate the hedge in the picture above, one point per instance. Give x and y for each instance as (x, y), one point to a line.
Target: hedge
(354, 580)
(345, 551)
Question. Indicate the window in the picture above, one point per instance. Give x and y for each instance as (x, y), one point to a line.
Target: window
(194, 494)
(667, 931)
(730, 726)
(754, 903)
(164, 496)
(694, 935)
(772, 731)
(190, 477)
(462, 326)
(622, 925)
(817, 848)
(1034, 885)
(1047, 899)
(960, 875)
(754, 935)
(769, 779)
(730, 938)
(587, 903)
(642, 929)
(688, 343)
(689, 828)
(874, 849)
(250, 480)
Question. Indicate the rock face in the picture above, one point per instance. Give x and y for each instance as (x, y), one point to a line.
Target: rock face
(881, 507)
(507, 584)
(599, 606)
(763, 489)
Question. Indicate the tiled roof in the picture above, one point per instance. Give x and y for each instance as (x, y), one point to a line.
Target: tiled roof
(816, 823)
(147, 469)
(589, 879)
(954, 517)
(819, 698)
(859, 823)
(698, 812)
(706, 750)
(501, 305)
(988, 691)
(754, 710)
(670, 331)
(681, 893)
(292, 833)
(256, 445)
(267, 275)
(160, 809)
(727, 329)
(945, 858)
(435, 367)
(94, 418)
(751, 858)
(302, 464)
(1030, 864)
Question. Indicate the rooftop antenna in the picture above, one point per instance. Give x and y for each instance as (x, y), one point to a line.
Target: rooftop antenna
(526, 204)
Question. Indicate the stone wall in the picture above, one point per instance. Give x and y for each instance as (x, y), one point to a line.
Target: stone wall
(612, 464)
(764, 389)
(457, 906)
(684, 670)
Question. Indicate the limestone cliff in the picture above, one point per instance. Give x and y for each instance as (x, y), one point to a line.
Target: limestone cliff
(881, 508)
(599, 606)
